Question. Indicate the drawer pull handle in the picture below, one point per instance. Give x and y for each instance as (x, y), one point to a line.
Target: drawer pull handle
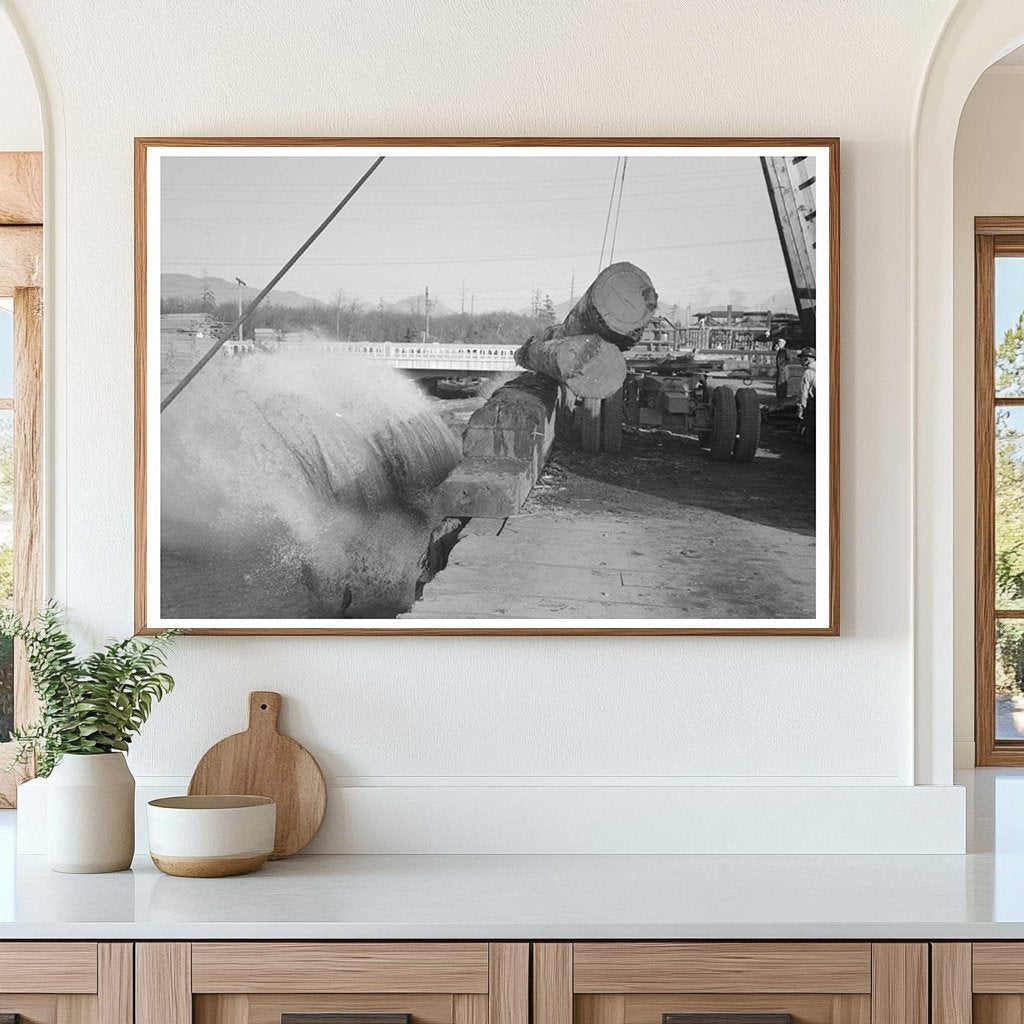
(727, 1018)
(340, 1018)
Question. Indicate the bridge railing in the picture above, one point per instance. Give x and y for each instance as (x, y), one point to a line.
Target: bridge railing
(419, 356)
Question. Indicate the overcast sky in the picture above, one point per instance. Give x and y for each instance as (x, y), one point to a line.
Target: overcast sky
(502, 226)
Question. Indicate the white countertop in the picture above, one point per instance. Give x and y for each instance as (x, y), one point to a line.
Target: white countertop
(496, 897)
(977, 896)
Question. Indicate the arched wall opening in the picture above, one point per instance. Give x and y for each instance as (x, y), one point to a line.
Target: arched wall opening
(989, 154)
(976, 34)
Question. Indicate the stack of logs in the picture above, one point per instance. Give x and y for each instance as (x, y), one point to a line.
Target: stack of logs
(578, 370)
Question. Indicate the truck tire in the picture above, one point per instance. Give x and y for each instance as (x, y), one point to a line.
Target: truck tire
(748, 417)
(723, 423)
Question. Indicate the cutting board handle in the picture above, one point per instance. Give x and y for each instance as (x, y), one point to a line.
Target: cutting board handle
(264, 710)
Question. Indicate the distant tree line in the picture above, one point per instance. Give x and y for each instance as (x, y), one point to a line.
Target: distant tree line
(355, 321)
(1009, 499)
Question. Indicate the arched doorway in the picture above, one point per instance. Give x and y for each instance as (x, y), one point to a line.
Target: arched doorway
(977, 33)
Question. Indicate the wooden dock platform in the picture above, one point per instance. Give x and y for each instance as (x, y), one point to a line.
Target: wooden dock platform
(658, 532)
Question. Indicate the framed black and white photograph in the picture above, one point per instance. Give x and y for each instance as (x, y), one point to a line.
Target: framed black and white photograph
(500, 386)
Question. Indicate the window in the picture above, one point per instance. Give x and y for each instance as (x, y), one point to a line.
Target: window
(6, 515)
(21, 365)
(999, 490)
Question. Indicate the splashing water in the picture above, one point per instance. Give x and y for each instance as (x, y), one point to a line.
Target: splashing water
(297, 485)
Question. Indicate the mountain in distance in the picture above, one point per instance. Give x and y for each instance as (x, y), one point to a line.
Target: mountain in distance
(414, 304)
(779, 302)
(187, 286)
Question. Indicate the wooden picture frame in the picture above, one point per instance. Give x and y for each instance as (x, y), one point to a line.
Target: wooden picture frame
(993, 237)
(825, 619)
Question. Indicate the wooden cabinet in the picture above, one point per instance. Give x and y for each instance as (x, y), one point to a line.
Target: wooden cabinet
(66, 982)
(978, 983)
(752, 982)
(494, 983)
(306, 982)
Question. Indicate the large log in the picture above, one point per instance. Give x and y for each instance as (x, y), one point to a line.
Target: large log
(506, 443)
(586, 364)
(516, 422)
(491, 487)
(617, 306)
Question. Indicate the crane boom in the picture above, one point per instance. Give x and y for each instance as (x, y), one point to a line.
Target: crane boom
(790, 182)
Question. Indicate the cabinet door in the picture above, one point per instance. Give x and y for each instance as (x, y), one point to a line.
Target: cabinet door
(980, 982)
(332, 983)
(730, 983)
(65, 983)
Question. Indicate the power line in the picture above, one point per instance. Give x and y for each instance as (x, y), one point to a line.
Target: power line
(618, 209)
(734, 274)
(246, 261)
(608, 216)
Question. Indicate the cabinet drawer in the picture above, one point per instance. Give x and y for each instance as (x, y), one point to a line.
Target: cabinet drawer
(634, 967)
(340, 967)
(332, 983)
(65, 967)
(730, 983)
(66, 982)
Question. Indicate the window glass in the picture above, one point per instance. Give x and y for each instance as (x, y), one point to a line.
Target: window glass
(1009, 510)
(1009, 327)
(1009, 679)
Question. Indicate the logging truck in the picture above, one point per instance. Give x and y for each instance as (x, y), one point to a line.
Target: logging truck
(684, 400)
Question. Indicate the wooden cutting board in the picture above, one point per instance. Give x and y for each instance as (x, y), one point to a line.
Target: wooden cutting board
(262, 762)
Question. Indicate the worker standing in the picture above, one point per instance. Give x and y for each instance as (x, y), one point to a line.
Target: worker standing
(781, 370)
(809, 382)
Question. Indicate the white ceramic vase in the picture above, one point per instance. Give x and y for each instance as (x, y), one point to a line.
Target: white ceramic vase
(90, 814)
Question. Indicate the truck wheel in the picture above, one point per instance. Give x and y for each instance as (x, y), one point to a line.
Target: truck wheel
(723, 423)
(748, 415)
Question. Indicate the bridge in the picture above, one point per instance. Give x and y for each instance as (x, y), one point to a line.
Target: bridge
(431, 357)
(420, 359)
(417, 359)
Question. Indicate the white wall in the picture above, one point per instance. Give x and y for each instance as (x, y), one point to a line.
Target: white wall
(987, 181)
(431, 716)
(21, 126)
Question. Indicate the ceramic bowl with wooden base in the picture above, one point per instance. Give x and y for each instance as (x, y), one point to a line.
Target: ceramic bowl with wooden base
(211, 836)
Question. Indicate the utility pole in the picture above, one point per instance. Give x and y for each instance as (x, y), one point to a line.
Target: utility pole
(426, 306)
(472, 303)
(241, 285)
(463, 296)
(572, 290)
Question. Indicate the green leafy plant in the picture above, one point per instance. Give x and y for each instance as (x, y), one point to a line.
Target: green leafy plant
(90, 705)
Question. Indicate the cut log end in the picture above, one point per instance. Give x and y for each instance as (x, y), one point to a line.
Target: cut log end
(617, 306)
(624, 297)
